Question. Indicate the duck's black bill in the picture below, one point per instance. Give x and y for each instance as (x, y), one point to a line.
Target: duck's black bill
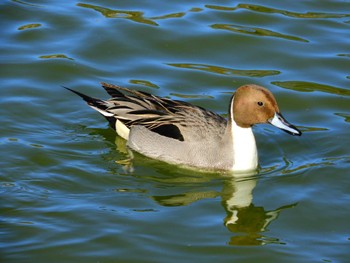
(280, 122)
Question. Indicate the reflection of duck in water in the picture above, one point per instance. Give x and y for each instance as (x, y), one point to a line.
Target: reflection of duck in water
(243, 217)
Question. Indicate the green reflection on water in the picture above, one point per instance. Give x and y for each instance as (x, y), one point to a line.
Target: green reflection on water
(256, 31)
(174, 15)
(225, 71)
(55, 56)
(144, 83)
(346, 116)
(29, 26)
(265, 9)
(135, 16)
(305, 86)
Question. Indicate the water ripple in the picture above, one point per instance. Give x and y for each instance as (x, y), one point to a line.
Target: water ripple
(346, 116)
(264, 9)
(26, 3)
(173, 15)
(55, 56)
(256, 31)
(135, 16)
(145, 83)
(30, 26)
(225, 71)
(305, 86)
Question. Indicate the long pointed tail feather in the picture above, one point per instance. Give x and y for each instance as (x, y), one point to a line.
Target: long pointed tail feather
(98, 105)
(90, 100)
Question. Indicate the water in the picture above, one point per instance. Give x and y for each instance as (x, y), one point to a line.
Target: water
(65, 195)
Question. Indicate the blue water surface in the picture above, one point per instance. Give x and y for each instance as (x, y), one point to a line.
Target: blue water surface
(68, 193)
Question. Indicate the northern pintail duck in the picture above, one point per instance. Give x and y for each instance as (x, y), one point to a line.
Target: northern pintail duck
(180, 133)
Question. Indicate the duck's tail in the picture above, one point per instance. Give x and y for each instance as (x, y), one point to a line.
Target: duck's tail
(98, 105)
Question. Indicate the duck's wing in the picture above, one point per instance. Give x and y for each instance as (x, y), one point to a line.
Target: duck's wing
(171, 118)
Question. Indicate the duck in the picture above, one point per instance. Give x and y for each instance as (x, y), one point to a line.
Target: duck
(180, 133)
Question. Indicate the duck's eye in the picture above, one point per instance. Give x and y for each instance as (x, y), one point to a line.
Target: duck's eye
(260, 103)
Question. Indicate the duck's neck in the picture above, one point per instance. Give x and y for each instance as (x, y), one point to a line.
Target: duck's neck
(245, 154)
(244, 151)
